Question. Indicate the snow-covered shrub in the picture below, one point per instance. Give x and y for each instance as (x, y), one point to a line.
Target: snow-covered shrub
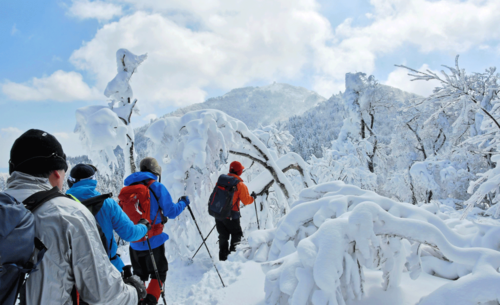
(440, 179)
(319, 250)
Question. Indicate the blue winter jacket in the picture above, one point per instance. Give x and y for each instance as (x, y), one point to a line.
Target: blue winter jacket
(110, 217)
(169, 208)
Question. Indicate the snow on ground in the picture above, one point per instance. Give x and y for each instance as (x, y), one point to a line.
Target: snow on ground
(197, 283)
(408, 293)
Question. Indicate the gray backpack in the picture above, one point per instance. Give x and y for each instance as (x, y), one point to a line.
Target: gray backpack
(18, 242)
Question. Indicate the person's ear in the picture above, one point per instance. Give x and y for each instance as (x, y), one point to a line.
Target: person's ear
(57, 175)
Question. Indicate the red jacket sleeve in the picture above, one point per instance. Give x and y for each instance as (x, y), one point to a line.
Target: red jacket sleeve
(243, 194)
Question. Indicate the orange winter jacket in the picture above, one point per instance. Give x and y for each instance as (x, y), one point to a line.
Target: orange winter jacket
(240, 194)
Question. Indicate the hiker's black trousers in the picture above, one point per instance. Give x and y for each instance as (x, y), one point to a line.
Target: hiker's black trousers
(143, 266)
(228, 228)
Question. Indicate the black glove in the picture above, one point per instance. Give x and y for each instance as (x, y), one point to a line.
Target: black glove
(145, 222)
(136, 282)
(253, 195)
(164, 219)
(185, 199)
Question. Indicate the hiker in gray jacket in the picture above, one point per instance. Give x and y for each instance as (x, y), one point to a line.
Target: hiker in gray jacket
(75, 262)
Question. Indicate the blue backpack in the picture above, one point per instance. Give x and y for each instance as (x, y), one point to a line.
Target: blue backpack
(220, 202)
(18, 242)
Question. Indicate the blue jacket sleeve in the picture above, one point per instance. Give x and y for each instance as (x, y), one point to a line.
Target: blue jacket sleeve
(169, 208)
(124, 226)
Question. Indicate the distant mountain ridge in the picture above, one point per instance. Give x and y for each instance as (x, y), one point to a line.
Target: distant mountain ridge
(260, 105)
(253, 105)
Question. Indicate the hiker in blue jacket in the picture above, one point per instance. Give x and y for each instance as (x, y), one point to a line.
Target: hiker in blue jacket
(139, 252)
(83, 183)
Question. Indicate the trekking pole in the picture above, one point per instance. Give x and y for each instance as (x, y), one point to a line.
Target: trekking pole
(256, 215)
(202, 242)
(156, 271)
(192, 215)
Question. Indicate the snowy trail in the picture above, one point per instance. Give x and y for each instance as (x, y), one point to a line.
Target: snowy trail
(197, 282)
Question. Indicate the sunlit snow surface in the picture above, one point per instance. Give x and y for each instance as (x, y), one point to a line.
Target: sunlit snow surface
(198, 283)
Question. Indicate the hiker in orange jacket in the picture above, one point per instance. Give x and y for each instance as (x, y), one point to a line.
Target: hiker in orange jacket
(231, 227)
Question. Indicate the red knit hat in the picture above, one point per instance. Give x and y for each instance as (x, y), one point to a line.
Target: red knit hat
(236, 167)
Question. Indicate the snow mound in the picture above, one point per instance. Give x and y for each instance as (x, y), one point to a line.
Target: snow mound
(320, 249)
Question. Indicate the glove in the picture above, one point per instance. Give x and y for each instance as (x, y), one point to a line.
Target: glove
(253, 195)
(145, 222)
(185, 199)
(136, 282)
(164, 219)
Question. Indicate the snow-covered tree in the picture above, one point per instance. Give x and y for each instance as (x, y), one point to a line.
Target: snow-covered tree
(468, 107)
(104, 128)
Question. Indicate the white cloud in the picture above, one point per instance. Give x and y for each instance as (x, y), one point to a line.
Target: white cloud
(70, 142)
(7, 137)
(400, 79)
(197, 44)
(100, 10)
(14, 30)
(446, 25)
(60, 86)
(232, 46)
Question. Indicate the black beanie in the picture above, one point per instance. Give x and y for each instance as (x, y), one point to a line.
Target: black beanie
(79, 172)
(37, 152)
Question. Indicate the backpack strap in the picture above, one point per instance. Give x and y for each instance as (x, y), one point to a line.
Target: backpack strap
(148, 184)
(36, 200)
(94, 204)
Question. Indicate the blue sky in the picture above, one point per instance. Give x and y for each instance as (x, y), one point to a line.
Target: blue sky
(57, 56)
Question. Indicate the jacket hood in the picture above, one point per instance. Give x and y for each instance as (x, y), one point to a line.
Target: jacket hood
(138, 177)
(84, 189)
(20, 181)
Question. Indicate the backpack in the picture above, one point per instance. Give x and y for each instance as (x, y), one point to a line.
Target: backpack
(136, 203)
(220, 202)
(18, 242)
(94, 204)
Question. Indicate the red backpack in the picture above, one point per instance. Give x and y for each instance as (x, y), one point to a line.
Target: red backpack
(136, 203)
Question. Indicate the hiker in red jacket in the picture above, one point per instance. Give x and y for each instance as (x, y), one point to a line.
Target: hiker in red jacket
(231, 226)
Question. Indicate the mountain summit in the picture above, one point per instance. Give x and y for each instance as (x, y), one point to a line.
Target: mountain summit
(260, 105)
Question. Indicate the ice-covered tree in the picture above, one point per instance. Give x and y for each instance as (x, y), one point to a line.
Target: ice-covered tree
(358, 149)
(470, 103)
(102, 129)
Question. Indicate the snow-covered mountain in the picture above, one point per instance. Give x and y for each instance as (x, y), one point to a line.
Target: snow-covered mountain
(260, 105)
(320, 125)
(253, 105)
